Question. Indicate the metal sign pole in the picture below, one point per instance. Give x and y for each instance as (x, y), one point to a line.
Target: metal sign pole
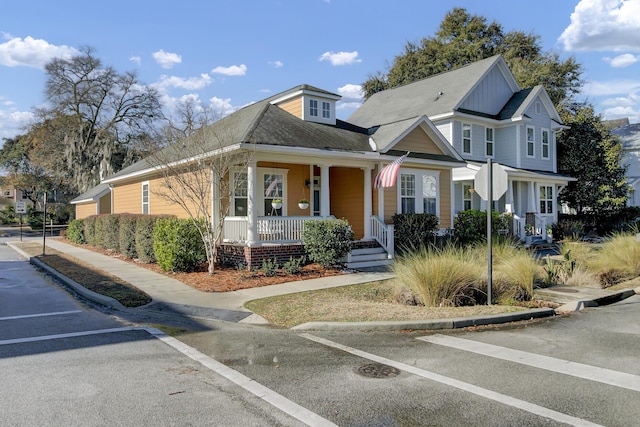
(489, 229)
(44, 223)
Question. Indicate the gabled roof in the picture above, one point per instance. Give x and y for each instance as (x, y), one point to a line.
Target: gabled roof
(92, 195)
(629, 135)
(438, 94)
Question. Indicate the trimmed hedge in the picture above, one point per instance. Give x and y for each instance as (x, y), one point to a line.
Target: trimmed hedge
(328, 242)
(177, 245)
(110, 234)
(75, 232)
(412, 231)
(471, 226)
(144, 238)
(90, 230)
(127, 235)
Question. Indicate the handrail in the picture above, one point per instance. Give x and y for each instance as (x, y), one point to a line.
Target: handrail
(383, 234)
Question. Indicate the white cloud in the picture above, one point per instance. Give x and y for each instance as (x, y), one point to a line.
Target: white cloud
(167, 59)
(31, 52)
(12, 123)
(340, 58)
(136, 60)
(351, 91)
(601, 25)
(610, 87)
(191, 83)
(222, 106)
(234, 70)
(276, 64)
(622, 61)
(621, 112)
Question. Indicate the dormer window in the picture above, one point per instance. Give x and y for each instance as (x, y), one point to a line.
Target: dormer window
(313, 107)
(326, 110)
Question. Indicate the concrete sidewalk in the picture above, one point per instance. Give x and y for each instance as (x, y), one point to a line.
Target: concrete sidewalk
(174, 297)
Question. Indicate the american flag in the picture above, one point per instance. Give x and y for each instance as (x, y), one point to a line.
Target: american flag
(387, 175)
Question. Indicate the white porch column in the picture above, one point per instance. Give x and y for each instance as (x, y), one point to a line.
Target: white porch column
(325, 209)
(531, 201)
(509, 202)
(368, 209)
(252, 197)
(215, 198)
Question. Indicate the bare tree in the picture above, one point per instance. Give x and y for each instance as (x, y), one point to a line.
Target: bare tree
(195, 161)
(95, 114)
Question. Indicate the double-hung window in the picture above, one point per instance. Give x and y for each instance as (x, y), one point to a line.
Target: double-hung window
(546, 199)
(545, 144)
(326, 110)
(240, 193)
(466, 197)
(313, 107)
(145, 197)
(489, 141)
(531, 142)
(418, 192)
(466, 138)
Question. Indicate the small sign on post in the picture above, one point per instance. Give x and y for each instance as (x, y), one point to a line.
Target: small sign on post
(21, 208)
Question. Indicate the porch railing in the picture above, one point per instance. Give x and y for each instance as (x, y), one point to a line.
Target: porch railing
(383, 234)
(268, 228)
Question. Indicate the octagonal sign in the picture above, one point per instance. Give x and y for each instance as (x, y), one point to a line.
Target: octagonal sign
(500, 180)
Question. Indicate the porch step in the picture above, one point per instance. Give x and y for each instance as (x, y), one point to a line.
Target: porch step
(368, 257)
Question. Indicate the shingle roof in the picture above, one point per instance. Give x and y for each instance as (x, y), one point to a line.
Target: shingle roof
(434, 95)
(92, 194)
(630, 136)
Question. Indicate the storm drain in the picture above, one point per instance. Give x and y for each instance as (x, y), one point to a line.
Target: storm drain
(377, 370)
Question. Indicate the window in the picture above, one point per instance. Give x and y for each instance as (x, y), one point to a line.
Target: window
(489, 141)
(145, 198)
(545, 144)
(546, 199)
(466, 197)
(272, 184)
(407, 193)
(326, 110)
(313, 107)
(240, 193)
(538, 108)
(429, 194)
(418, 192)
(530, 142)
(466, 138)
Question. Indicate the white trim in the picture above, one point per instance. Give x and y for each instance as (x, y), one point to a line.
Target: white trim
(462, 138)
(142, 184)
(542, 144)
(493, 142)
(526, 136)
(418, 173)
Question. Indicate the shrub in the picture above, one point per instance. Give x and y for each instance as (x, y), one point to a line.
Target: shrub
(90, 229)
(294, 265)
(144, 238)
(127, 235)
(270, 267)
(471, 226)
(328, 242)
(412, 231)
(618, 259)
(110, 231)
(177, 245)
(98, 234)
(75, 232)
(440, 277)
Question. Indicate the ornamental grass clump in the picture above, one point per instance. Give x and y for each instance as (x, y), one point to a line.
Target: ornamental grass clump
(617, 259)
(440, 277)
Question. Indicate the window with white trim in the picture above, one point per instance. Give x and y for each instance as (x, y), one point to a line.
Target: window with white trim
(538, 108)
(273, 187)
(546, 199)
(313, 107)
(466, 138)
(145, 197)
(466, 197)
(326, 110)
(531, 142)
(489, 142)
(545, 144)
(240, 193)
(418, 192)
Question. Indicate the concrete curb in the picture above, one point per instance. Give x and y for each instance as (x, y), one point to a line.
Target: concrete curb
(77, 288)
(597, 302)
(435, 324)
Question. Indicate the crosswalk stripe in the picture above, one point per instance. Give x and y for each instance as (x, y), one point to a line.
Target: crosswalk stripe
(482, 392)
(579, 370)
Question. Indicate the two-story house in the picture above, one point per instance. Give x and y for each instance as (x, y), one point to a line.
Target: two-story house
(629, 134)
(483, 113)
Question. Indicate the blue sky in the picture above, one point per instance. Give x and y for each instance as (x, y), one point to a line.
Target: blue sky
(229, 53)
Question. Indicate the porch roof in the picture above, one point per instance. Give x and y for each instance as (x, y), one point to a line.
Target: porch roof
(92, 194)
(468, 173)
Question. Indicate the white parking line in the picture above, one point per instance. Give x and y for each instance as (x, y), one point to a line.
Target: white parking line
(280, 402)
(27, 316)
(482, 392)
(579, 370)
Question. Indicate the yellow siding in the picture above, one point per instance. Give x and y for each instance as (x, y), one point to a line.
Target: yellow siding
(105, 204)
(293, 107)
(347, 198)
(85, 209)
(127, 198)
(417, 141)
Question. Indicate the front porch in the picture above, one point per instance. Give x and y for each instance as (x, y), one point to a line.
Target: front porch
(281, 237)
